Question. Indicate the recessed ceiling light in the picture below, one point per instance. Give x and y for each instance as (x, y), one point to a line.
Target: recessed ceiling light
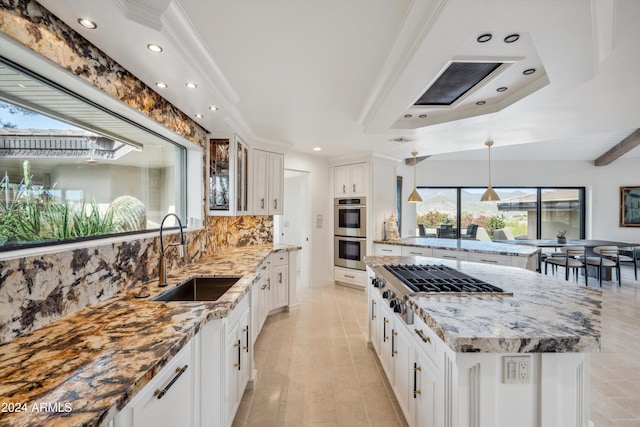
(502, 89)
(408, 116)
(481, 102)
(213, 108)
(317, 149)
(529, 71)
(87, 23)
(191, 85)
(154, 48)
(199, 116)
(484, 38)
(511, 38)
(422, 116)
(161, 85)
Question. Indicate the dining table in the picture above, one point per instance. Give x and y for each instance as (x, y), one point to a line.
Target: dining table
(589, 244)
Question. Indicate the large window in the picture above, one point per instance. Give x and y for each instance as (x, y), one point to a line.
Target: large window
(521, 213)
(72, 170)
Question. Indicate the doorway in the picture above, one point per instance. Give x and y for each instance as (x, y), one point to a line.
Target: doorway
(292, 228)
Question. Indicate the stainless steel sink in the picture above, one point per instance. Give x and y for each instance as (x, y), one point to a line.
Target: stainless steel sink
(199, 289)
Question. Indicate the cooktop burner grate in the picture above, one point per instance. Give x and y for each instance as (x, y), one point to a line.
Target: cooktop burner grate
(438, 278)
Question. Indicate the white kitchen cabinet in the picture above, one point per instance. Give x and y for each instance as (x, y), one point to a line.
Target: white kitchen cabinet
(351, 180)
(169, 399)
(350, 277)
(416, 251)
(382, 249)
(268, 183)
(402, 355)
(237, 366)
(424, 384)
(264, 298)
(447, 254)
(490, 258)
(280, 286)
(227, 176)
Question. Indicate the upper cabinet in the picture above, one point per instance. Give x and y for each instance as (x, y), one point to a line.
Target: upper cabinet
(268, 183)
(228, 176)
(351, 180)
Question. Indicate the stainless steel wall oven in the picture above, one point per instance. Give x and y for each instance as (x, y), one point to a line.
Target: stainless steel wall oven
(350, 217)
(349, 252)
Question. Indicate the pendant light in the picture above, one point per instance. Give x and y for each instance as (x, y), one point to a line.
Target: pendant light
(489, 195)
(414, 197)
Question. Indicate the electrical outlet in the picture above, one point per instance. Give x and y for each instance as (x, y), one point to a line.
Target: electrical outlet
(517, 369)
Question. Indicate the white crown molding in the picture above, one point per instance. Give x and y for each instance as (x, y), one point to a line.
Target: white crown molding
(417, 23)
(147, 13)
(179, 29)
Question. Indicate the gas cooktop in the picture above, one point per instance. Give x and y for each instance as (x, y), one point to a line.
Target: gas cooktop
(438, 278)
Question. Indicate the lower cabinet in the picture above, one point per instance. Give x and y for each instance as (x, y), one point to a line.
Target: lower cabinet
(237, 365)
(422, 399)
(279, 280)
(169, 399)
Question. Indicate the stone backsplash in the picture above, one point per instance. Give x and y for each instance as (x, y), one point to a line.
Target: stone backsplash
(37, 290)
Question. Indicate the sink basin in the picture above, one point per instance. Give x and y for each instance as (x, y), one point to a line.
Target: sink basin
(199, 289)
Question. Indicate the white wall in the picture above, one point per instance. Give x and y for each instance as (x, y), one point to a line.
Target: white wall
(321, 237)
(602, 186)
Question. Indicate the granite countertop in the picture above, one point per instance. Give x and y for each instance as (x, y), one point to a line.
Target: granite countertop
(543, 314)
(465, 246)
(98, 358)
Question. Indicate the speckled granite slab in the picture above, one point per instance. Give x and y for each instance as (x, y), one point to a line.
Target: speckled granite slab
(544, 314)
(465, 246)
(98, 358)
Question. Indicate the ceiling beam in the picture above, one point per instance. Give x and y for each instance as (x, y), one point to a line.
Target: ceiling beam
(620, 149)
(409, 161)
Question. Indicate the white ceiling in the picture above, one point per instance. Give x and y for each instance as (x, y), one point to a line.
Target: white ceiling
(338, 74)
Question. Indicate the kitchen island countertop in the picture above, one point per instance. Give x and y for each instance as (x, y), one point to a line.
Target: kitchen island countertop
(98, 358)
(540, 314)
(465, 245)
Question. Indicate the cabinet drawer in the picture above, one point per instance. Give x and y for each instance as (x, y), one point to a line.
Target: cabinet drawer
(279, 258)
(414, 251)
(490, 258)
(445, 254)
(239, 310)
(391, 250)
(425, 339)
(347, 275)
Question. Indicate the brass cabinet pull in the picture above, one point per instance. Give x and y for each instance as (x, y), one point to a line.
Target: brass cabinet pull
(179, 371)
(422, 336)
(394, 334)
(279, 277)
(246, 331)
(262, 203)
(416, 369)
(373, 312)
(384, 330)
(237, 365)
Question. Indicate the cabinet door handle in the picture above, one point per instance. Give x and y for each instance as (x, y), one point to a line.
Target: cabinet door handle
(179, 371)
(493, 261)
(269, 283)
(280, 278)
(246, 331)
(354, 188)
(416, 369)
(384, 330)
(275, 203)
(373, 310)
(344, 188)
(263, 287)
(415, 253)
(386, 250)
(422, 336)
(237, 365)
(349, 276)
(262, 203)
(394, 334)
(449, 256)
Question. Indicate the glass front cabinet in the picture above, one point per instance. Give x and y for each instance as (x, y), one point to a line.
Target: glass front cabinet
(228, 176)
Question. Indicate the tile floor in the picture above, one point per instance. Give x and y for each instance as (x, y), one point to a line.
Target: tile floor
(314, 367)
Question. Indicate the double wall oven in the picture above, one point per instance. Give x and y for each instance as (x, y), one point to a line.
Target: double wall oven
(350, 232)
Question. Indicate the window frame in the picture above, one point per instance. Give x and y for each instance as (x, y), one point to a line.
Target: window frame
(582, 199)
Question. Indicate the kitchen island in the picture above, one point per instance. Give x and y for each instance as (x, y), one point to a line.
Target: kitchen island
(488, 360)
(524, 256)
(86, 368)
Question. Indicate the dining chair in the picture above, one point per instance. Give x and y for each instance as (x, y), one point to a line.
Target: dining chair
(573, 258)
(472, 230)
(422, 232)
(633, 257)
(608, 257)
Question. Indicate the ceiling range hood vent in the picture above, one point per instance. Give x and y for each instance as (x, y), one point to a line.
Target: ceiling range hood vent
(456, 80)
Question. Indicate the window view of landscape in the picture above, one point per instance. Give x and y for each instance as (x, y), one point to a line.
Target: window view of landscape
(59, 181)
(515, 216)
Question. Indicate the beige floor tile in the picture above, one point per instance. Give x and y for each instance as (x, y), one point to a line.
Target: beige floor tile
(315, 369)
